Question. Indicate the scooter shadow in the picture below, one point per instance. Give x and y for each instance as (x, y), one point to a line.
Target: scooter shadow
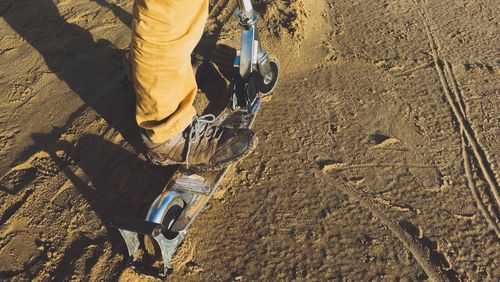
(214, 76)
(115, 182)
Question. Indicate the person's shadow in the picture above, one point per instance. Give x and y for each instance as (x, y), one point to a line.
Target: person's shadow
(91, 68)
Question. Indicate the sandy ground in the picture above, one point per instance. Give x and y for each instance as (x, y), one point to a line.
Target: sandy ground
(378, 156)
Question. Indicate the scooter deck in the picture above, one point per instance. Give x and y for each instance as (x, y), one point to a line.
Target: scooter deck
(198, 187)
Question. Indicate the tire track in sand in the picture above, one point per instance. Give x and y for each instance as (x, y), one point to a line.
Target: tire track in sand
(475, 192)
(422, 254)
(455, 102)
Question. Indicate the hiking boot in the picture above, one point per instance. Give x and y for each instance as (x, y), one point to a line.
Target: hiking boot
(203, 146)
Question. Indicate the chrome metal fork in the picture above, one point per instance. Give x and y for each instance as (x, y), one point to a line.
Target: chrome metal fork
(251, 56)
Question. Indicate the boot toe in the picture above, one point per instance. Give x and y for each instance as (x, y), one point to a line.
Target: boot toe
(237, 147)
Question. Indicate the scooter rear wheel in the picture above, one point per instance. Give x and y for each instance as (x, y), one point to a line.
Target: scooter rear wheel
(172, 213)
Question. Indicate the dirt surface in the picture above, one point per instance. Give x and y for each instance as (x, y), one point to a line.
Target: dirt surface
(378, 156)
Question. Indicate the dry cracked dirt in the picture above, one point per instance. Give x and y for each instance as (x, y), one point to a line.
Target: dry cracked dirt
(378, 157)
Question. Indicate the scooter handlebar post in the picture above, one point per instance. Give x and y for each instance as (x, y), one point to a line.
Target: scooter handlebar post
(245, 6)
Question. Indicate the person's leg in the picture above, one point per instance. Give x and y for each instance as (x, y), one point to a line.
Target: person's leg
(165, 33)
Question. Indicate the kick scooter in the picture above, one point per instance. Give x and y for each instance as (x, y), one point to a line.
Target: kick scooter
(187, 192)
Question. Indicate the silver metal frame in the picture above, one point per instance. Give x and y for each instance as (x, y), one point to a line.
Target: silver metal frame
(251, 55)
(245, 6)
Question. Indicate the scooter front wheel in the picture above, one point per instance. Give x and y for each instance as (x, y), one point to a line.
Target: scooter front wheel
(267, 84)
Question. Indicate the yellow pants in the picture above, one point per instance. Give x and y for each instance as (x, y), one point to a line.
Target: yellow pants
(165, 33)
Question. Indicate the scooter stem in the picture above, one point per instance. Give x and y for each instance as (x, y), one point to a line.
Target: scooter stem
(249, 38)
(252, 56)
(245, 6)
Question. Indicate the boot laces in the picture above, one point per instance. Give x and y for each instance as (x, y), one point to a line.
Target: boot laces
(202, 126)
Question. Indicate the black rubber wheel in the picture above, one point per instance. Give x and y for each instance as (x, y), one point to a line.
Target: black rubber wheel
(266, 88)
(173, 212)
